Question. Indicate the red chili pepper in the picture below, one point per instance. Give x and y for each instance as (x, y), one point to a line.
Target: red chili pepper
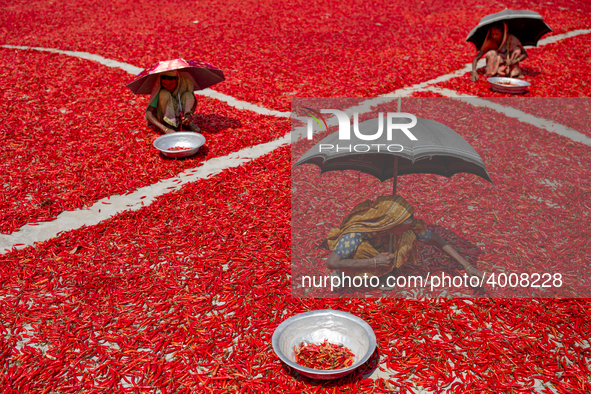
(326, 356)
(179, 148)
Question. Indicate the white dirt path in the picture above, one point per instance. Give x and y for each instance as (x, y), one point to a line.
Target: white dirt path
(110, 206)
(103, 209)
(136, 70)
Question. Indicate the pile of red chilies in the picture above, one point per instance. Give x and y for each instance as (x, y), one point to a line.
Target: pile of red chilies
(327, 356)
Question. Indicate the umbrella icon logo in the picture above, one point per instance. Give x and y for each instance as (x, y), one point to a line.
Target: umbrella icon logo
(314, 115)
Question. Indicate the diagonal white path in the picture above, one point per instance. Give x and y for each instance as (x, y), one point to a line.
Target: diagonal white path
(239, 104)
(427, 86)
(105, 208)
(481, 63)
(553, 127)
(110, 206)
(511, 112)
(524, 117)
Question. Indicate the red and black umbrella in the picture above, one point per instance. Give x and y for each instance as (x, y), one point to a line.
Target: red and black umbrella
(203, 74)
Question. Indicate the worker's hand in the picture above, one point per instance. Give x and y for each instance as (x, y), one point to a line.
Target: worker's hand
(168, 131)
(473, 271)
(383, 260)
(187, 118)
(474, 76)
(509, 62)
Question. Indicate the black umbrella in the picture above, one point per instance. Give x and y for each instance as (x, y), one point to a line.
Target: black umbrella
(527, 26)
(437, 150)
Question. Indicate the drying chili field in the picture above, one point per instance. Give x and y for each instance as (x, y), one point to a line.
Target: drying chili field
(183, 293)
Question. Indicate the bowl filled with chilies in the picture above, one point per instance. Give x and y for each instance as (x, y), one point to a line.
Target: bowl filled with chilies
(324, 344)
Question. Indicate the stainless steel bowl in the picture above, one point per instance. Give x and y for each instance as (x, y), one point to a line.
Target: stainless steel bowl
(517, 86)
(316, 326)
(182, 138)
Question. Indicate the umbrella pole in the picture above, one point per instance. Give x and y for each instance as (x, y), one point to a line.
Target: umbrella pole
(180, 108)
(396, 157)
(395, 175)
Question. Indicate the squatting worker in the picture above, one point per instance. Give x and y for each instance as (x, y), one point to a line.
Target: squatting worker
(503, 52)
(378, 236)
(171, 93)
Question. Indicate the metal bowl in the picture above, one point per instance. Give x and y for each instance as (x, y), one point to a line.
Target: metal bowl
(185, 139)
(517, 86)
(316, 326)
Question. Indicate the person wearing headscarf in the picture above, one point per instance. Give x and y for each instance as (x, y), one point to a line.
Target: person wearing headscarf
(378, 236)
(503, 53)
(172, 99)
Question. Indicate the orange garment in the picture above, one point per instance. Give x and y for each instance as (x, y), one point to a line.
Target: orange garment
(373, 218)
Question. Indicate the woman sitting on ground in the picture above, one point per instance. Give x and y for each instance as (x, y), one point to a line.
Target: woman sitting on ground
(503, 52)
(172, 94)
(377, 237)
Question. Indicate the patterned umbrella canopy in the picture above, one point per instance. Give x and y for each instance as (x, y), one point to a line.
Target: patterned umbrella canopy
(203, 74)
